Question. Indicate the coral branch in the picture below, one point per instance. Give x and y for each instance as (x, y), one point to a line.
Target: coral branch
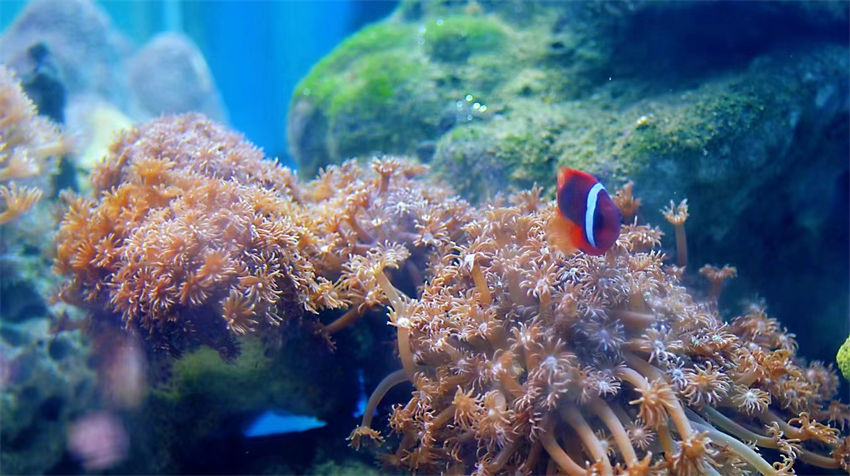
(390, 381)
(352, 315)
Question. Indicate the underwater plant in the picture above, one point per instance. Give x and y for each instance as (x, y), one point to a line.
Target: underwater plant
(194, 238)
(29, 146)
(526, 360)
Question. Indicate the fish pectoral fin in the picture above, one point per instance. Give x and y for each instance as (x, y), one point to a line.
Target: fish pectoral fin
(560, 232)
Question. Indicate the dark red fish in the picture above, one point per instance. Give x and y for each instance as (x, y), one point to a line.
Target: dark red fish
(587, 219)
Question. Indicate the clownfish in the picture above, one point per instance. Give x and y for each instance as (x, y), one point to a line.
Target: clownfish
(587, 218)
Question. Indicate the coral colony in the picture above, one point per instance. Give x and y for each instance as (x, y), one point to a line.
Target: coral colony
(29, 145)
(522, 358)
(194, 238)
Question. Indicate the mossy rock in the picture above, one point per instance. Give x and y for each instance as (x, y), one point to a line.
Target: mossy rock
(47, 386)
(843, 359)
(393, 87)
(342, 115)
(456, 38)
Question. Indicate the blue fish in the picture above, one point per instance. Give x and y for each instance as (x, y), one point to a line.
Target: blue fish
(361, 400)
(281, 422)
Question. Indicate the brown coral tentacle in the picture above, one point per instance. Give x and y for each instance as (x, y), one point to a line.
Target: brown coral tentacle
(401, 321)
(632, 319)
(350, 316)
(480, 282)
(390, 381)
(671, 404)
(556, 452)
(677, 215)
(743, 451)
(573, 416)
(601, 409)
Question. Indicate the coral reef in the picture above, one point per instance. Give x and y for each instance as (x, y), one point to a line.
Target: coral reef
(30, 151)
(105, 81)
(524, 360)
(29, 147)
(194, 238)
(207, 403)
(620, 89)
(45, 381)
(184, 239)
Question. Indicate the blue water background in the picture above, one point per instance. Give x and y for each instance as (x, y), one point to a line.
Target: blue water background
(257, 50)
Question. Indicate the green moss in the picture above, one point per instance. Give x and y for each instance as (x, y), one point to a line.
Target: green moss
(384, 106)
(252, 381)
(373, 94)
(324, 79)
(375, 83)
(345, 468)
(694, 124)
(520, 149)
(456, 38)
(843, 358)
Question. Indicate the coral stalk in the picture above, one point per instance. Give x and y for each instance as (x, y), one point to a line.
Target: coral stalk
(673, 407)
(621, 438)
(401, 322)
(573, 416)
(740, 449)
(480, 283)
(388, 382)
(557, 453)
(352, 315)
(677, 215)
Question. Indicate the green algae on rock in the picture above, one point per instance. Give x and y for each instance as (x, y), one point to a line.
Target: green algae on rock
(395, 86)
(843, 358)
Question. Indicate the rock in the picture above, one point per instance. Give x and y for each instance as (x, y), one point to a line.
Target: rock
(87, 50)
(94, 124)
(43, 84)
(170, 76)
(45, 386)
